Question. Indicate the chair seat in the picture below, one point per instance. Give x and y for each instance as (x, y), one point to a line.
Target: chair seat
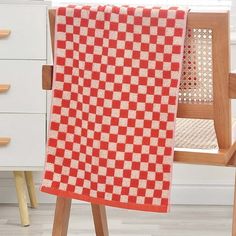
(198, 134)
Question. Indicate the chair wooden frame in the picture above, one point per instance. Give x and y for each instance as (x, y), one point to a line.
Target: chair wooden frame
(224, 89)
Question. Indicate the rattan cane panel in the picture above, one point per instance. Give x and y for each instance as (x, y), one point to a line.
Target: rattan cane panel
(196, 84)
(195, 134)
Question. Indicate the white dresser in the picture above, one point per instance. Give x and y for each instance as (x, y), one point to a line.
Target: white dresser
(23, 105)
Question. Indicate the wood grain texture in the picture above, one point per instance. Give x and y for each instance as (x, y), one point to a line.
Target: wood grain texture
(52, 15)
(201, 157)
(232, 85)
(21, 196)
(47, 76)
(31, 188)
(195, 111)
(221, 68)
(61, 217)
(100, 220)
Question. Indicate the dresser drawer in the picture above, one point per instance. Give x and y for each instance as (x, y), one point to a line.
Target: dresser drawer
(28, 31)
(27, 145)
(25, 94)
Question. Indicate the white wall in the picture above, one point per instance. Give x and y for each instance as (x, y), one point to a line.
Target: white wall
(191, 184)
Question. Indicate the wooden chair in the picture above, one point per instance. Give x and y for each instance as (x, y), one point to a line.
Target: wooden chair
(213, 29)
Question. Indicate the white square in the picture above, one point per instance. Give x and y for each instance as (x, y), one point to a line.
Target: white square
(97, 50)
(162, 22)
(138, 140)
(83, 31)
(128, 54)
(135, 174)
(133, 191)
(91, 24)
(111, 69)
(145, 38)
(116, 95)
(120, 44)
(153, 30)
(111, 52)
(115, 113)
(118, 173)
(69, 29)
(135, 63)
(72, 180)
(65, 170)
(141, 106)
(133, 97)
(145, 149)
(89, 57)
(122, 27)
(171, 14)
(69, 137)
(125, 87)
(118, 79)
(109, 86)
(106, 120)
(170, 31)
(87, 184)
(142, 183)
(99, 33)
(139, 123)
(114, 129)
(142, 89)
(121, 138)
(130, 19)
(107, 103)
(124, 198)
(119, 61)
(117, 190)
(144, 56)
(129, 37)
(111, 163)
(56, 177)
(63, 186)
(129, 148)
(123, 122)
(146, 21)
(82, 48)
(101, 187)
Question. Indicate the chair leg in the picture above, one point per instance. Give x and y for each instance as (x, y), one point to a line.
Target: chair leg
(20, 190)
(31, 188)
(61, 217)
(100, 220)
(234, 211)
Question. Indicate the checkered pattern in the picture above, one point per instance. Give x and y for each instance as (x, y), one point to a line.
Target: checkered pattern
(116, 78)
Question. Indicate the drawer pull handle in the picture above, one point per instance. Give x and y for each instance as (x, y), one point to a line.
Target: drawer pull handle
(4, 141)
(4, 88)
(4, 33)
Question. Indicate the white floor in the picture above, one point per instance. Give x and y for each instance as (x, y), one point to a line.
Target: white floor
(181, 221)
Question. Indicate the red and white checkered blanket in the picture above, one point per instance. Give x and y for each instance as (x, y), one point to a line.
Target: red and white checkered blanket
(115, 95)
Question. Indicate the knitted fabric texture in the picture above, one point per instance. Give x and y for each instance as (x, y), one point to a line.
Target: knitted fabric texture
(115, 95)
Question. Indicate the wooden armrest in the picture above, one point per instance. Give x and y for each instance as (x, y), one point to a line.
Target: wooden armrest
(232, 85)
(47, 75)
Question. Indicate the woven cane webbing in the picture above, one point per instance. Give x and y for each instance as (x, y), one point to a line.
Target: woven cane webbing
(196, 83)
(195, 134)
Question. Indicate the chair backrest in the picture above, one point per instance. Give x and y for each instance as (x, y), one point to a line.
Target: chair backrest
(204, 87)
